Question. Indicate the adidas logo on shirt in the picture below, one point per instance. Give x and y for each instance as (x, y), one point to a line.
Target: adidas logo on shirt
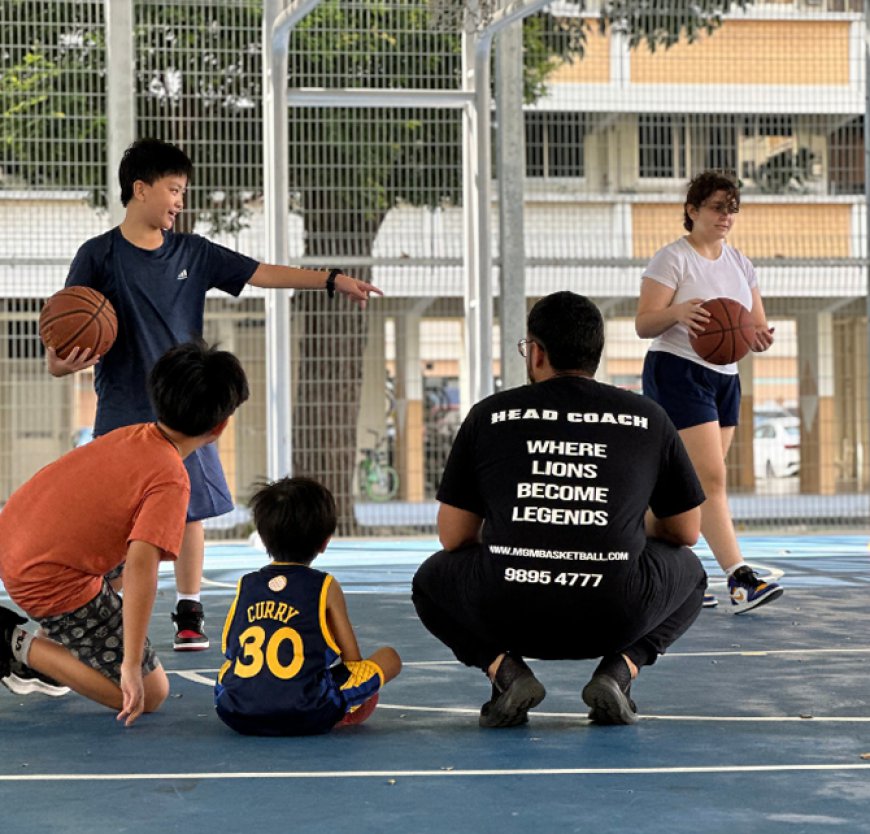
(182, 275)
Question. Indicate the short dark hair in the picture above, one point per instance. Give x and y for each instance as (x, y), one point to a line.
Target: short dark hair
(194, 387)
(294, 517)
(570, 328)
(705, 184)
(149, 160)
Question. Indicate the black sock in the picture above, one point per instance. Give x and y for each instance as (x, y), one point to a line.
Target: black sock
(508, 671)
(614, 666)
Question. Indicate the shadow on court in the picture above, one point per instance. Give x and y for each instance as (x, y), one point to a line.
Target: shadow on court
(752, 723)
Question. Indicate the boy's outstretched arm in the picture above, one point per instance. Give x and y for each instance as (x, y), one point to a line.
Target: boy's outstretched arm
(73, 362)
(273, 276)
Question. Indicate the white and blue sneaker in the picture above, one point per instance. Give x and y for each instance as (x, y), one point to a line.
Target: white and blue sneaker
(748, 591)
(710, 601)
(23, 680)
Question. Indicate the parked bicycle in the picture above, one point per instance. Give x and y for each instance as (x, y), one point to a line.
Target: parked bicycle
(378, 481)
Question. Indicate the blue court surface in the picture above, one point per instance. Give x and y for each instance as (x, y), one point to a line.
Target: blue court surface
(756, 723)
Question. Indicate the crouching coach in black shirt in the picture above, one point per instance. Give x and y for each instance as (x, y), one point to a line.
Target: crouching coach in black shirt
(567, 511)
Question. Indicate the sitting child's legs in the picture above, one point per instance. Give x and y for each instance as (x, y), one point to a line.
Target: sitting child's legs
(361, 680)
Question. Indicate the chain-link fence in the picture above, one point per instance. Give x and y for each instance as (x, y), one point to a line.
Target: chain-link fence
(620, 110)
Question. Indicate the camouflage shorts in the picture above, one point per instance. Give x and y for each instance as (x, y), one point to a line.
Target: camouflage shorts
(94, 634)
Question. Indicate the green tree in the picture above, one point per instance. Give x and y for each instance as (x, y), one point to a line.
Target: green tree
(52, 98)
(198, 84)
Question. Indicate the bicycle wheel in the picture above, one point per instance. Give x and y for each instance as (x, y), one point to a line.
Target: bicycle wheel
(382, 483)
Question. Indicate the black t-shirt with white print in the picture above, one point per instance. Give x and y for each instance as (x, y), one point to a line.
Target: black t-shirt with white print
(562, 472)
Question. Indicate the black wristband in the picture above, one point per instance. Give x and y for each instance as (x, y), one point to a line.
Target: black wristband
(330, 282)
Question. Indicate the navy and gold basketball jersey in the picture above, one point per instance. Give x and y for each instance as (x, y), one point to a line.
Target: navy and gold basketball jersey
(277, 678)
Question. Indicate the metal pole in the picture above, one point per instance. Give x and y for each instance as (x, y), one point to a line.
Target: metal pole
(277, 24)
(510, 173)
(472, 236)
(866, 248)
(120, 98)
(479, 297)
(279, 459)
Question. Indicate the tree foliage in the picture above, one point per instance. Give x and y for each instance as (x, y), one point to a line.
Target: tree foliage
(52, 76)
(658, 24)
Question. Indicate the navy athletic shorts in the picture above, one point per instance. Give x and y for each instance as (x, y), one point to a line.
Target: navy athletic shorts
(209, 493)
(690, 393)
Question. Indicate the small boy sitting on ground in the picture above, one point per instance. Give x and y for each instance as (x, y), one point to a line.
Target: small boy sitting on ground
(120, 499)
(293, 666)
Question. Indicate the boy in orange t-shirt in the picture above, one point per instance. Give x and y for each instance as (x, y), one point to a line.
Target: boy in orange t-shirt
(120, 499)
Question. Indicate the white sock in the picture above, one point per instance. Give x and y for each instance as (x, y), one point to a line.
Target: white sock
(730, 571)
(21, 641)
(191, 597)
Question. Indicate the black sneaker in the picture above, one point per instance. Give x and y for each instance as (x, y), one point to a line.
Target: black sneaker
(188, 619)
(8, 621)
(515, 691)
(22, 680)
(608, 693)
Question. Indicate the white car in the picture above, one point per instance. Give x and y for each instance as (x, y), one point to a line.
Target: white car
(777, 447)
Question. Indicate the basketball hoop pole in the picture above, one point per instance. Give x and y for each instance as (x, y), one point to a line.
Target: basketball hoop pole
(477, 191)
(278, 21)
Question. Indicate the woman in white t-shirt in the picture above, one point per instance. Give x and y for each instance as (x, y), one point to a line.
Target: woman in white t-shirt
(703, 400)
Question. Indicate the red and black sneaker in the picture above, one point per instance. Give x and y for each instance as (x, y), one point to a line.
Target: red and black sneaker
(189, 634)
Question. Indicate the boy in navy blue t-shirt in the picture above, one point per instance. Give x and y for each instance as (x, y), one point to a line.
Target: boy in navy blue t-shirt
(157, 281)
(292, 664)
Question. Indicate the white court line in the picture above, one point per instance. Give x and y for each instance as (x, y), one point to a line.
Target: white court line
(400, 774)
(213, 583)
(743, 719)
(770, 573)
(719, 653)
(198, 675)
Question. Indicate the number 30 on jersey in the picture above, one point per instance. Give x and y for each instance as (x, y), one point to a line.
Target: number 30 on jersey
(253, 656)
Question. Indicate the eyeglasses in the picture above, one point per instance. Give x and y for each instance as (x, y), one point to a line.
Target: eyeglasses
(722, 208)
(523, 346)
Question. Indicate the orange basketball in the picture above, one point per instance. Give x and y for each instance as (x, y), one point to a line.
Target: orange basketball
(729, 334)
(79, 317)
